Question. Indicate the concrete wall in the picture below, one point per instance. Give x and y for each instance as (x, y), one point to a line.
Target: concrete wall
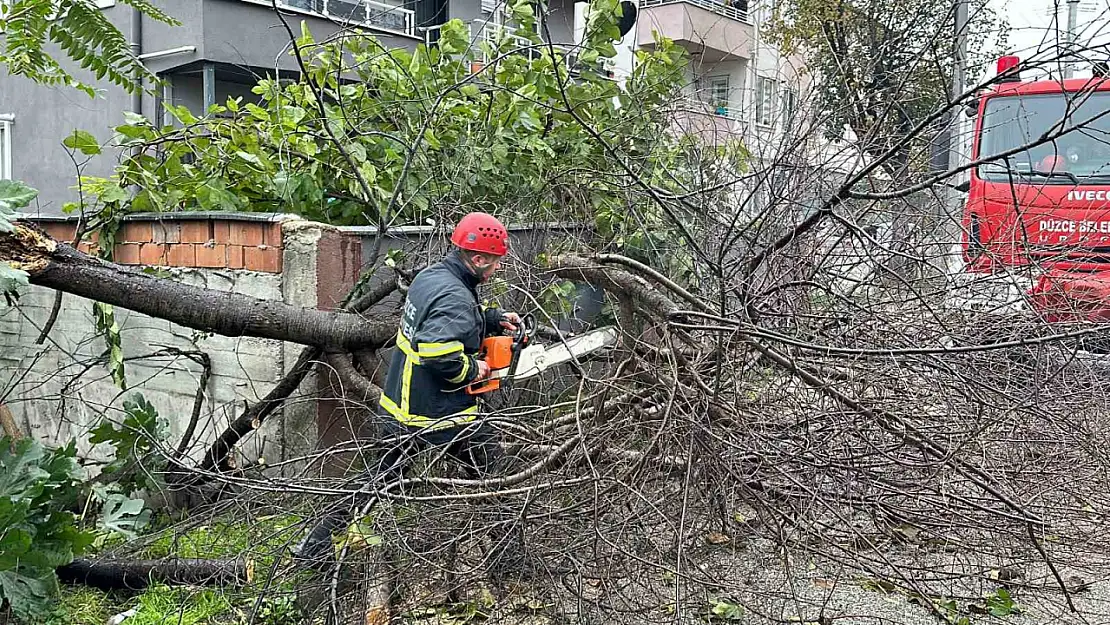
(44, 116)
(57, 392)
(266, 256)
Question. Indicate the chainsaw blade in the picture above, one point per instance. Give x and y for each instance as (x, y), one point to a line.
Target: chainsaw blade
(537, 358)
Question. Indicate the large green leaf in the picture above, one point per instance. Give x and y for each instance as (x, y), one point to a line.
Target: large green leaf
(19, 468)
(14, 195)
(83, 142)
(123, 515)
(28, 592)
(135, 440)
(37, 532)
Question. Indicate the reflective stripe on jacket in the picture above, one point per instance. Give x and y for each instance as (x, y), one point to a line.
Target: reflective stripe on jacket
(442, 327)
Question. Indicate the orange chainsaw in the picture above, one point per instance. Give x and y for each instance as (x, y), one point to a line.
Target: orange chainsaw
(516, 357)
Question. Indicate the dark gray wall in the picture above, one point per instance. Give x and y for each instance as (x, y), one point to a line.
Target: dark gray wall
(44, 116)
(249, 34)
(560, 21)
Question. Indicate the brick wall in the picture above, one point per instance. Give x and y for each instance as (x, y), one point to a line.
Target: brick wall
(278, 257)
(199, 242)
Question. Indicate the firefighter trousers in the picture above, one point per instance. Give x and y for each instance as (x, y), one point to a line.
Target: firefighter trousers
(473, 445)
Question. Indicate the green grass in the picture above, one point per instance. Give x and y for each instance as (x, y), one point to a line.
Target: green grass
(260, 538)
(183, 606)
(83, 606)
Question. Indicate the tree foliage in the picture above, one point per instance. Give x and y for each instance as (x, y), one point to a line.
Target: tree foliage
(43, 492)
(85, 35)
(884, 65)
(409, 133)
(38, 533)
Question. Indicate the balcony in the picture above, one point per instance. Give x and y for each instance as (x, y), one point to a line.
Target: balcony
(714, 30)
(501, 40)
(712, 124)
(361, 12)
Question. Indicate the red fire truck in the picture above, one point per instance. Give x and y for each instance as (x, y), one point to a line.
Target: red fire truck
(1040, 215)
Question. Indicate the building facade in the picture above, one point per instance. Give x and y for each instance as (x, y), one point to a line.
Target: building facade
(739, 87)
(219, 50)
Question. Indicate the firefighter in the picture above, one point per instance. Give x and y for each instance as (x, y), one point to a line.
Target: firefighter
(442, 327)
(424, 402)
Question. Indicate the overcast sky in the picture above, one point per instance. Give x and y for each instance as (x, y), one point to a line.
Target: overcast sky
(1035, 28)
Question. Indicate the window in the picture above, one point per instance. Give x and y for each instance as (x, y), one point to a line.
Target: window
(381, 14)
(765, 101)
(789, 104)
(718, 93)
(1079, 155)
(5, 147)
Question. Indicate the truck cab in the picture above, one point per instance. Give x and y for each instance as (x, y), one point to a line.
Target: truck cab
(1038, 205)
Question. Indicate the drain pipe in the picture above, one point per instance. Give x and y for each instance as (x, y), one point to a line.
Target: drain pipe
(136, 51)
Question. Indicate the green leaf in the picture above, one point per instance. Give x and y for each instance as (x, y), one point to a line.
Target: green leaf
(369, 173)
(21, 470)
(11, 278)
(13, 196)
(28, 593)
(430, 137)
(123, 515)
(1001, 603)
(84, 142)
(182, 113)
(727, 611)
(135, 119)
(250, 158)
(113, 193)
(454, 37)
(36, 485)
(135, 440)
(257, 112)
(106, 324)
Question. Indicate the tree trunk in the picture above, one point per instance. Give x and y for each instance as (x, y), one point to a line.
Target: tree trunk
(59, 266)
(138, 574)
(7, 421)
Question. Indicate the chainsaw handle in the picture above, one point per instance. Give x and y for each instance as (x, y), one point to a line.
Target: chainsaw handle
(527, 328)
(487, 385)
(501, 356)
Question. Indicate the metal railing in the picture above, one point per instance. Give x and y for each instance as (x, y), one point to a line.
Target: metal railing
(496, 34)
(699, 106)
(368, 12)
(721, 8)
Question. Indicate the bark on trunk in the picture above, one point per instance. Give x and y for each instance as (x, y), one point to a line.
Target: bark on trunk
(138, 574)
(7, 421)
(59, 266)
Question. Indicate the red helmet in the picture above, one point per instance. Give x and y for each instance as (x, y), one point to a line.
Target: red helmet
(479, 232)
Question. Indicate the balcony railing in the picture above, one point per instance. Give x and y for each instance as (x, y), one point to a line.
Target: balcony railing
(495, 33)
(366, 12)
(724, 8)
(700, 107)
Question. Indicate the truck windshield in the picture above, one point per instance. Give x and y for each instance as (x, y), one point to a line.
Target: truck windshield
(1080, 155)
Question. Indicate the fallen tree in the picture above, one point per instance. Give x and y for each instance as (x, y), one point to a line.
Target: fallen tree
(139, 574)
(55, 265)
(778, 391)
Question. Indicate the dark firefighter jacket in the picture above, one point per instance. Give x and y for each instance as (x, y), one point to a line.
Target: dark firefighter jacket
(442, 327)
